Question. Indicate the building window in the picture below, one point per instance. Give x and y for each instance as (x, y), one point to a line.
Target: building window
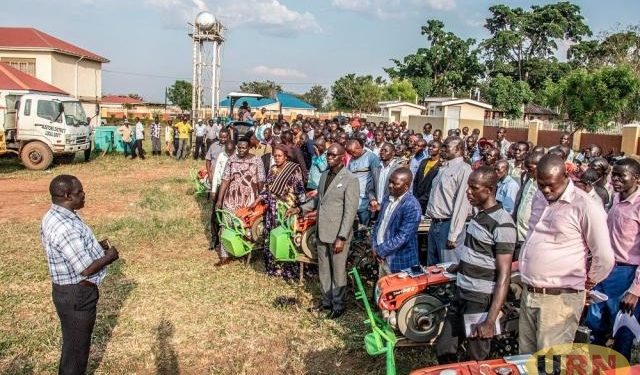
(24, 65)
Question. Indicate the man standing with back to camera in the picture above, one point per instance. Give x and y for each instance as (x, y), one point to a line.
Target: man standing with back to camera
(77, 265)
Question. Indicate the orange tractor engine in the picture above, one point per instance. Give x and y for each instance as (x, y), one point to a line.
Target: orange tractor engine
(252, 220)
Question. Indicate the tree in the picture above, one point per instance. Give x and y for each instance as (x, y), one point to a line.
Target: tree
(316, 96)
(622, 47)
(449, 63)
(180, 94)
(591, 99)
(508, 95)
(399, 89)
(522, 41)
(267, 88)
(135, 96)
(353, 92)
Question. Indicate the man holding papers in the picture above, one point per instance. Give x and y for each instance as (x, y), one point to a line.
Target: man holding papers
(484, 271)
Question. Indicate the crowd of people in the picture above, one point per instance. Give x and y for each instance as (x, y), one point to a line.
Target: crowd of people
(571, 219)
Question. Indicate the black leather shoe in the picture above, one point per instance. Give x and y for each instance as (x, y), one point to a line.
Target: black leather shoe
(319, 308)
(335, 314)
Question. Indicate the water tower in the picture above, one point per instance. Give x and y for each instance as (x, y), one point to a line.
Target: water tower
(207, 36)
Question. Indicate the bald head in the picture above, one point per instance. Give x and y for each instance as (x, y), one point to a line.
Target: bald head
(552, 177)
(551, 164)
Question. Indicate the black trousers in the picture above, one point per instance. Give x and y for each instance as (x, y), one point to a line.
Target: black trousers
(453, 332)
(139, 148)
(199, 151)
(215, 226)
(76, 307)
(176, 144)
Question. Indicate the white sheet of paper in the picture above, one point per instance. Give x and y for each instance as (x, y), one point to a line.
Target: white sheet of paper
(598, 297)
(471, 320)
(629, 321)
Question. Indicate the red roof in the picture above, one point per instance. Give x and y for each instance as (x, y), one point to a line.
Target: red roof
(120, 99)
(28, 38)
(13, 79)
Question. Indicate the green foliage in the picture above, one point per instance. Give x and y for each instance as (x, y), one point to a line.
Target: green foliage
(180, 94)
(267, 88)
(399, 89)
(353, 92)
(592, 99)
(449, 63)
(316, 96)
(622, 47)
(520, 37)
(508, 95)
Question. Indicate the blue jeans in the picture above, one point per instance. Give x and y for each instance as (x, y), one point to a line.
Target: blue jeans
(437, 251)
(364, 216)
(600, 316)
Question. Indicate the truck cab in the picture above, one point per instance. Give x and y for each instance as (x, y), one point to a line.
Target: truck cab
(38, 127)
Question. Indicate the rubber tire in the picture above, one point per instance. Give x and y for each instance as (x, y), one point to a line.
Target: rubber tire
(405, 316)
(257, 231)
(41, 154)
(308, 244)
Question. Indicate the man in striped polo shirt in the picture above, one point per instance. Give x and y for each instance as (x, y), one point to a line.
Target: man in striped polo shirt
(484, 271)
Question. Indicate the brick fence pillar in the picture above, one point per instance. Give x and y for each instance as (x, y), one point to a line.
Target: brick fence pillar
(630, 134)
(534, 128)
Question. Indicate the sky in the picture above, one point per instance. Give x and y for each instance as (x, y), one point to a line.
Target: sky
(294, 43)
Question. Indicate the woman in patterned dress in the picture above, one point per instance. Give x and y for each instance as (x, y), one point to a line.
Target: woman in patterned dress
(241, 181)
(284, 184)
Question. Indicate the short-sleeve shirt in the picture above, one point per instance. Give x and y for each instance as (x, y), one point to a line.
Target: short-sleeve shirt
(183, 130)
(489, 233)
(214, 150)
(70, 247)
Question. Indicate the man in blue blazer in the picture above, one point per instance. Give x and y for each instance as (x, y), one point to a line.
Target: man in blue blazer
(394, 236)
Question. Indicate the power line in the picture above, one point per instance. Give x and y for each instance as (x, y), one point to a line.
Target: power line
(187, 79)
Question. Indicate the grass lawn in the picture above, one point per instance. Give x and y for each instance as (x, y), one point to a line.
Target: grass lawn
(163, 307)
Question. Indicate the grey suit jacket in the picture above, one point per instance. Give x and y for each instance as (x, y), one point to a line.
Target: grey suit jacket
(337, 206)
(395, 164)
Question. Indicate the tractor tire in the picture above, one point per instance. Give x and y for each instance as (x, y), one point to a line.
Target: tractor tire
(308, 244)
(36, 156)
(420, 317)
(257, 231)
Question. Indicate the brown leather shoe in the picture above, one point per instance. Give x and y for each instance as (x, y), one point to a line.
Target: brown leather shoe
(222, 262)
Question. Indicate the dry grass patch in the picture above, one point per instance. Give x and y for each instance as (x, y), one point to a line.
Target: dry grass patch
(164, 308)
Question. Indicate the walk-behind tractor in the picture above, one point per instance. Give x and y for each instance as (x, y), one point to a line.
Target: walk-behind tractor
(294, 239)
(242, 230)
(413, 305)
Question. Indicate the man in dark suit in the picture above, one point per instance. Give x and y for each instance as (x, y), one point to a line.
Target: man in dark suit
(422, 182)
(394, 237)
(337, 203)
(426, 172)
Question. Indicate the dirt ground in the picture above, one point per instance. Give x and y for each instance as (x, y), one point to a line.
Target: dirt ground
(23, 200)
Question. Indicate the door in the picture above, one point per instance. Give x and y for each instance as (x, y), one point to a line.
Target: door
(453, 117)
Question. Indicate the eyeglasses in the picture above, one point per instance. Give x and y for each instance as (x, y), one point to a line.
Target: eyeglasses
(332, 155)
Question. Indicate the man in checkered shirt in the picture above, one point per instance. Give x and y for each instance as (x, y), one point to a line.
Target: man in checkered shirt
(77, 264)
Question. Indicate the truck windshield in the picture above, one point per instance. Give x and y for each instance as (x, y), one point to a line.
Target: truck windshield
(74, 113)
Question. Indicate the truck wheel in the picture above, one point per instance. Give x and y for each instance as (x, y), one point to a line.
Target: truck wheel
(36, 156)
